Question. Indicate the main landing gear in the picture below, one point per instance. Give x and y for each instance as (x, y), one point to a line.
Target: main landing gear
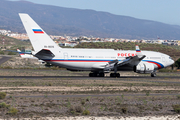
(114, 75)
(102, 75)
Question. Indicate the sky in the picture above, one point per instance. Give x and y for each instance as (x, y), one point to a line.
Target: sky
(166, 11)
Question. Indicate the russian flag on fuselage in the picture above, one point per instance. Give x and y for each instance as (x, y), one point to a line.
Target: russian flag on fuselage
(137, 49)
(37, 31)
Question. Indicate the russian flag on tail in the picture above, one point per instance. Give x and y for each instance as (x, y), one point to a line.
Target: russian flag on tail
(37, 31)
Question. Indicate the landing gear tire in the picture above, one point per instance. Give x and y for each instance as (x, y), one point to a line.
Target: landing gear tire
(153, 74)
(114, 75)
(92, 75)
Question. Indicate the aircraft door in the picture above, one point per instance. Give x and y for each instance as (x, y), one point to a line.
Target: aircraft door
(65, 56)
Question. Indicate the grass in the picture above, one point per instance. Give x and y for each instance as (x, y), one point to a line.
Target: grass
(178, 96)
(124, 110)
(76, 110)
(4, 105)
(167, 70)
(95, 107)
(176, 108)
(86, 112)
(83, 102)
(13, 111)
(2, 95)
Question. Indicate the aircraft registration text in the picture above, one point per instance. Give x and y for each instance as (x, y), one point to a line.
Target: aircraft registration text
(48, 46)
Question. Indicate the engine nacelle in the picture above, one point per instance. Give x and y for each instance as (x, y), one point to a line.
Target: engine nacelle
(144, 68)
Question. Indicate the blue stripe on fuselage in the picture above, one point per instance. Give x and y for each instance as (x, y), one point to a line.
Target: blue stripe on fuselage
(160, 65)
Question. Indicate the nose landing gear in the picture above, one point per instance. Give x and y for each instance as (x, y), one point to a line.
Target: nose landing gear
(153, 74)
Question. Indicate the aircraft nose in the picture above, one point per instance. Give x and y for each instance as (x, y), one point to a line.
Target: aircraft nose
(171, 62)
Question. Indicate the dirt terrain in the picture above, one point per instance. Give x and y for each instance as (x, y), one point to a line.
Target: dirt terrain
(89, 97)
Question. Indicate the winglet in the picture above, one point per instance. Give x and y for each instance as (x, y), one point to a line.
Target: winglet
(137, 49)
(139, 53)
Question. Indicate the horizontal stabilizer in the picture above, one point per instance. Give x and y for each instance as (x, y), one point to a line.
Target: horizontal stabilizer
(44, 53)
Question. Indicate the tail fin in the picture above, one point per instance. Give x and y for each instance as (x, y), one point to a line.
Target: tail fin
(18, 50)
(25, 54)
(39, 39)
(20, 53)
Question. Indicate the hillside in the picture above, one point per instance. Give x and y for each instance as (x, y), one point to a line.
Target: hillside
(76, 22)
(173, 51)
(12, 43)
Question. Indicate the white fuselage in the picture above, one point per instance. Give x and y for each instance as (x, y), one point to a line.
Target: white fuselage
(90, 59)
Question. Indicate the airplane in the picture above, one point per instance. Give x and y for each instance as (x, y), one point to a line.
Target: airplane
(28, 55)
(98, 61)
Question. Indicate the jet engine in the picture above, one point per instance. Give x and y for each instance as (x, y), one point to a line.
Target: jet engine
(144, 68)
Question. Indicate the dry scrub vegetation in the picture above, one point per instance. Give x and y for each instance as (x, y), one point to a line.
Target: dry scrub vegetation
(76, 96)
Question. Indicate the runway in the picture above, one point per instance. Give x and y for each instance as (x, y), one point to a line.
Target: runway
(89, 78)
(3, 59)
(95, 95)
(159, 79)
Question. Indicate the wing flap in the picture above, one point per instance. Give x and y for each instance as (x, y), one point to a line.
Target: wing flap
(110, 65)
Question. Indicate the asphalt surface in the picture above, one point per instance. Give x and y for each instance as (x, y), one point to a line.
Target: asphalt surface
(89, 78)
(141, 78)
(3, 59)
(97, 95)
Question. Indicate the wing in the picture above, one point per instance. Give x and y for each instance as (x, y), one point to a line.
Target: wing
(132, 59)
